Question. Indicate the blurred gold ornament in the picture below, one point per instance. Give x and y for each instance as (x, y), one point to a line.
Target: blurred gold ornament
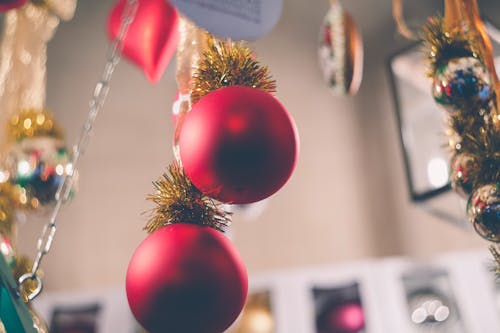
(257, 316)
(179, 201)
(256, 320)
(229, 64)
(37, 167)
(32, 123)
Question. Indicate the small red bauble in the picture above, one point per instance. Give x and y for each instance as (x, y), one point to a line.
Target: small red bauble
(6, 5)
(238, 145)
(152, 36)
(185, 278)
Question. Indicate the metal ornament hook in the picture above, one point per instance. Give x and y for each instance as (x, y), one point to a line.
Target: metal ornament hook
(30, 277)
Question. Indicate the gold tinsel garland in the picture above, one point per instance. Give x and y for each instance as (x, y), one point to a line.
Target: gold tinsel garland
(33, 123)
(473, 130)
(179, 201)
(229, 64)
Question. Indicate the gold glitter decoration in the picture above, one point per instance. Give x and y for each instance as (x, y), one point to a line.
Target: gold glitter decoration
(179, 201)
(257, 315)
(22, 266)
(34, 123)
(229, 64)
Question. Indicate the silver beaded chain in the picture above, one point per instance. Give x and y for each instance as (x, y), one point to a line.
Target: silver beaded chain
(96, 105)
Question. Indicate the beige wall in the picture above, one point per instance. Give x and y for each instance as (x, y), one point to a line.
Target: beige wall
(347, 199)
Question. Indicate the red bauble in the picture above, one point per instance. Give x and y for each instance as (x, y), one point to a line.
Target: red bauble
(185, 278)
(152, 36)
(238, 145)
(6, 5)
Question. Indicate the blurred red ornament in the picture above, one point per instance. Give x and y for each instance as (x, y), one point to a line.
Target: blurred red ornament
(152, 36)
(238, 145)
(6, 5)
(186, 278)
(346, 318)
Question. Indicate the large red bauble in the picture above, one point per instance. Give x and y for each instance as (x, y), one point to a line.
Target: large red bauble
(152, 36)
(238, 145)
(6, 5)
(185, 278)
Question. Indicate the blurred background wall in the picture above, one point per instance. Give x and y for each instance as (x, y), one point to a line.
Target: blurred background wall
(347, 200)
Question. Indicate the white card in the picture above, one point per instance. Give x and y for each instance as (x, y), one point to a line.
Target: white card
(236, 19)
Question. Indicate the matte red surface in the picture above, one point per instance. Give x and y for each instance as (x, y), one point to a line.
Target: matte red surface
(238, 145)
(186, 278)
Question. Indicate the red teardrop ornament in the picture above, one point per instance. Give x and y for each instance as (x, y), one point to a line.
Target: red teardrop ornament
(152, 36)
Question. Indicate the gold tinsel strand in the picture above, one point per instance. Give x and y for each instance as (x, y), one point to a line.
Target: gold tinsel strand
(22, 266)
(33, 123)
(229, 64)
(177, 200)
(441, 45)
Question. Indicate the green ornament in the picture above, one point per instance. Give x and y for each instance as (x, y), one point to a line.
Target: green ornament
(14, 313)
